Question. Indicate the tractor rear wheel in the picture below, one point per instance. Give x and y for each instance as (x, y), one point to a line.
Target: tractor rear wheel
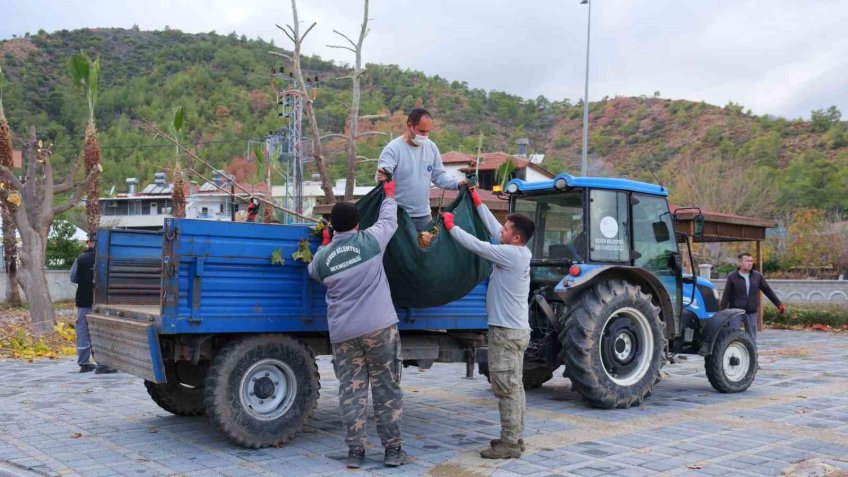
(612, 344)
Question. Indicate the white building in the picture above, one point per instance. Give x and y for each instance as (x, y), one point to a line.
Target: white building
(313, 194)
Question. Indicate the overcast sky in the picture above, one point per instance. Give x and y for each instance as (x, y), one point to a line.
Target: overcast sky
(776, 57)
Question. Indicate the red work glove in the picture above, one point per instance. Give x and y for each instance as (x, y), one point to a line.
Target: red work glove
(474, 197)
(389, 189)
(781, 308)
(447, 218)
(325, 236)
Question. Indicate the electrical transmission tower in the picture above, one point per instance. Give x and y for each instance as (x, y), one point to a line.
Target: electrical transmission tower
(287, 143)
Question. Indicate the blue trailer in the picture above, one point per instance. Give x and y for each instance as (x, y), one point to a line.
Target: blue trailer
(202, 313)
(213, 325)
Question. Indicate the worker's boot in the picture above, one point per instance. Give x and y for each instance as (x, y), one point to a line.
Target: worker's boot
(355, 457)
(502, 450)
(495, 442)
(395, 456)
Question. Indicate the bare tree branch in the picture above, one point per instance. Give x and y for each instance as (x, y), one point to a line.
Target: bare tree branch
(371, 133)
(342, 48)
(308, 30)
(281, 54)
(332, 135)
(284, 31)
(372, 116)
(74, 200)
(68, 183)
(10, 176)
(346, 38)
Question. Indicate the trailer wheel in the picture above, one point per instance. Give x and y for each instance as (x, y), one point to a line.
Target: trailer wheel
(261, 390)
(533, 377)
(613, 344)
(177, 398)
(732, 366)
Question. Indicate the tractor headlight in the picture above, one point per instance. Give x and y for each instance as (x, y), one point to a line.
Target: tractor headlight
(512, 188)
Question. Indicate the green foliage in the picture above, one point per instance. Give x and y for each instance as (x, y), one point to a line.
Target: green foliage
(62, 249)
(812, 180)
(823, 120)
(84, 74)
(808, 314)
(277, 257)
(303, 253)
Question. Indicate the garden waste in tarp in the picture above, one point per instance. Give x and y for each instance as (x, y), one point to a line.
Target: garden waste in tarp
(435, 275)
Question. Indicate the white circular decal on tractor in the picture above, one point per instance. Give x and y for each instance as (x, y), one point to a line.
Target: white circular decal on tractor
(609, 227)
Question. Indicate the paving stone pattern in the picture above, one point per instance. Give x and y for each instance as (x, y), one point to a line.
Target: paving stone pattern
(792, 421)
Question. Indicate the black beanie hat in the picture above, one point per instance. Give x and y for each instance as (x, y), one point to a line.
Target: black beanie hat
(344, 216)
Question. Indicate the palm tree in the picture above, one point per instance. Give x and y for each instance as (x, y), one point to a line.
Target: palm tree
(10, 246)
(84, 74)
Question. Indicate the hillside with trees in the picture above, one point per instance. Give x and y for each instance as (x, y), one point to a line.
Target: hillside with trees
(719, 157)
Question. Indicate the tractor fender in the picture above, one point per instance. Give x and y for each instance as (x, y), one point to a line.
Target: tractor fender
(724, 320)
(572, 285)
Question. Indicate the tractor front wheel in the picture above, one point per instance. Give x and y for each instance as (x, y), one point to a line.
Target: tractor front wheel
(732, 366)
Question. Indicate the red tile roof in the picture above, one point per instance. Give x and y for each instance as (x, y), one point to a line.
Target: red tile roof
(455, 157)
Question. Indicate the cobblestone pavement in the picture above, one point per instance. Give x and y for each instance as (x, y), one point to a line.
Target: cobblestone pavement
(793, 420)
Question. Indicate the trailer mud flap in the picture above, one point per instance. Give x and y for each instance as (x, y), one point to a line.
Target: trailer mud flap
(127, 345)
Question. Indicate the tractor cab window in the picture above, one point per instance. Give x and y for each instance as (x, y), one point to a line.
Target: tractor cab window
(559, 225)
(653, 234)
(609, 239)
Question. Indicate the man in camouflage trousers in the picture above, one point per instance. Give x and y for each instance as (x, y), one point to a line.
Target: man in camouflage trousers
(363, 325)
(506, 307)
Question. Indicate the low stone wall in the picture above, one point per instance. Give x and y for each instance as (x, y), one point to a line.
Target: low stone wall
(58, 281)
(805, 291)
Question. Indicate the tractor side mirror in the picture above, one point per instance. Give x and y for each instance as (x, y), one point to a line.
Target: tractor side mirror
(699, 226)
(661, 232)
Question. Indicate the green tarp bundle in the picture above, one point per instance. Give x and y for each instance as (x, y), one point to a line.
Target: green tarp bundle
(436, 275)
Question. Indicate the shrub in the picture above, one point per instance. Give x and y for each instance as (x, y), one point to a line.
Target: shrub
(835, 316)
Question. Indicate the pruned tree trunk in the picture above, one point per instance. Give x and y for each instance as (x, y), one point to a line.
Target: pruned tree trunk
(294, 35)
(33, 216)
(178, 194)
(353, 132)
(33, 280)
(10, 245)
(92, 163)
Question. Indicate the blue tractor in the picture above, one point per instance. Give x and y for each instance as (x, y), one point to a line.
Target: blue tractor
(611, 302)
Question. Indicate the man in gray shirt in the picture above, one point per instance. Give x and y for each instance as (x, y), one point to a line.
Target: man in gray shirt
(414, 161)
(363, 325)
(506, 306)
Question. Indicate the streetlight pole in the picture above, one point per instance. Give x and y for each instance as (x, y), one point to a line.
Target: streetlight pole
(586, 95)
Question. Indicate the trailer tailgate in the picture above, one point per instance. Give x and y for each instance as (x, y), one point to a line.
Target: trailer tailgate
(126, 338)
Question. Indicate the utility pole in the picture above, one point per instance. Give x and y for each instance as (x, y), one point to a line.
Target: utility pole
(584, 160)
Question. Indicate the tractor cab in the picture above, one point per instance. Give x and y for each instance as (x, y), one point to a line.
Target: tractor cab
(584, 225)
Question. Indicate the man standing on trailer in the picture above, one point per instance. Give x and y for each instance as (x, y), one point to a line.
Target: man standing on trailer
(414, 162)
(742, 291)
(509, 322)
(363, 325)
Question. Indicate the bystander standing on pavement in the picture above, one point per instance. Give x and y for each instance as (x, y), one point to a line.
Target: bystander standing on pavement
(742, 291)
(82, 273)
(509, 327)
(363, 326)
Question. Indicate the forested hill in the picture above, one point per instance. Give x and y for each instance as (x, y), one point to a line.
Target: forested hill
(223, 83)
